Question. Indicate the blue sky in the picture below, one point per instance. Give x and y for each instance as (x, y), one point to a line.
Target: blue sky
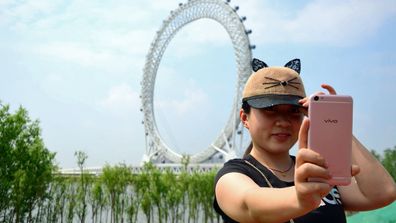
(76, 66)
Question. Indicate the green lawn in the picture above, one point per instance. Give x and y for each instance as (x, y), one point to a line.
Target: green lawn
(384, 215)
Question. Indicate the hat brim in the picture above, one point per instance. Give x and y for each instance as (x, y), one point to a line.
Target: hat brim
(265, 101)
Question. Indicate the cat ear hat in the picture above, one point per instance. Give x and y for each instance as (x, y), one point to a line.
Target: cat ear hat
(270, 86)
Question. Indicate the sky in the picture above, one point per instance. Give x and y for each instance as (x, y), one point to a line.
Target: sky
(76, 66)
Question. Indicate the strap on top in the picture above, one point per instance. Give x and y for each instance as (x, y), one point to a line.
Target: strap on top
(266, 179)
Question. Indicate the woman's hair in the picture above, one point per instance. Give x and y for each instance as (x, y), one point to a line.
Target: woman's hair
(245, 107)
(269, 86)
(246, 110)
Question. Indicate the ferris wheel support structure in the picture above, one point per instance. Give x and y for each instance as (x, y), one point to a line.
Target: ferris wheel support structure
(156, 148)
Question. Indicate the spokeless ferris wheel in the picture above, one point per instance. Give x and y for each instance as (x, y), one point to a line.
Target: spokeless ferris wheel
(224, 144)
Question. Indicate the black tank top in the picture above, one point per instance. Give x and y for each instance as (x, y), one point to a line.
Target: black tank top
(330, 210)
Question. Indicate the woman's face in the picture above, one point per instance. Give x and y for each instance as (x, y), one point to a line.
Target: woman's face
(274, 129)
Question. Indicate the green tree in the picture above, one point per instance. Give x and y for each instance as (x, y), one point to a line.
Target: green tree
(172, 196)
(71, 195)
(26, 166)
(97, 200)
(58, 199)
(116, 180)
(143, 186)
(207, 194)
(82, 189)
(389, 161)
(134, 199)
(193, 193)
(376, 155)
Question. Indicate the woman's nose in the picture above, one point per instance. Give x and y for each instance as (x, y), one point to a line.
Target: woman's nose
(283, 120)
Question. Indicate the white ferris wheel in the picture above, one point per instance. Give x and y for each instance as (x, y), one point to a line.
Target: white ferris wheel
(223, 146)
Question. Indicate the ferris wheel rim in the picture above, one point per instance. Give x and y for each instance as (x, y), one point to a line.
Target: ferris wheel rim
(153, 60)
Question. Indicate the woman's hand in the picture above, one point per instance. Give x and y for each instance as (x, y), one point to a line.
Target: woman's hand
(305, 101)
(310, 164)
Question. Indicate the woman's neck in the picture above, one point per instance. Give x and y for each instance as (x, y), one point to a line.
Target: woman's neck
(281, 165)
(278, 161)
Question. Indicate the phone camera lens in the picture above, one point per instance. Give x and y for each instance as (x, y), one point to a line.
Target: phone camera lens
(316, 98)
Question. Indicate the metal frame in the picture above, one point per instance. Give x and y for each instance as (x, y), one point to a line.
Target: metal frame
(223, 13)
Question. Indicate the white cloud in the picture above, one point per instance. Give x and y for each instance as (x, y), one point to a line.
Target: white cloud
(120, 24)
(96, 57)
(194, 38)
(73, 52)
(53, 82)
(192, 99)
(23, 14)
(109, 40)
(132, 42)
(335, 23)
(342, 23)
(115, 37)
(110, 36)
(121, 100)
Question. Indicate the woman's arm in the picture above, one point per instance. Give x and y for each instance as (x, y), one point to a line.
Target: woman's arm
(244, 201)
(372, 187)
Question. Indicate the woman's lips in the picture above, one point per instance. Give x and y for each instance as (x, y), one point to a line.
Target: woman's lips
(281, 136)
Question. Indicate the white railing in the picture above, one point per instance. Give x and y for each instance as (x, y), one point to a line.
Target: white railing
(136, 169)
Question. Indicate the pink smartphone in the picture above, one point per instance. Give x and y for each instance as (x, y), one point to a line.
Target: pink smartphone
(330, 134)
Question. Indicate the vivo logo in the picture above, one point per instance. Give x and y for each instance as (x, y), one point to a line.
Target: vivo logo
(334, 121)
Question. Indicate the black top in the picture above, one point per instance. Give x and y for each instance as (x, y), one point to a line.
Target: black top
(330, 210)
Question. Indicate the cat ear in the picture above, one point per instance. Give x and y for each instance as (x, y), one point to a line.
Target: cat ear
(258, 64)
(295, 65)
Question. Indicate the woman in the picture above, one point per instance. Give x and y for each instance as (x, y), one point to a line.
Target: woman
(269, 185)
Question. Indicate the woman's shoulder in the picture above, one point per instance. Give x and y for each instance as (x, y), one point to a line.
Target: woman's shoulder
(235, 166)
(232, 165)
(252, 168)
